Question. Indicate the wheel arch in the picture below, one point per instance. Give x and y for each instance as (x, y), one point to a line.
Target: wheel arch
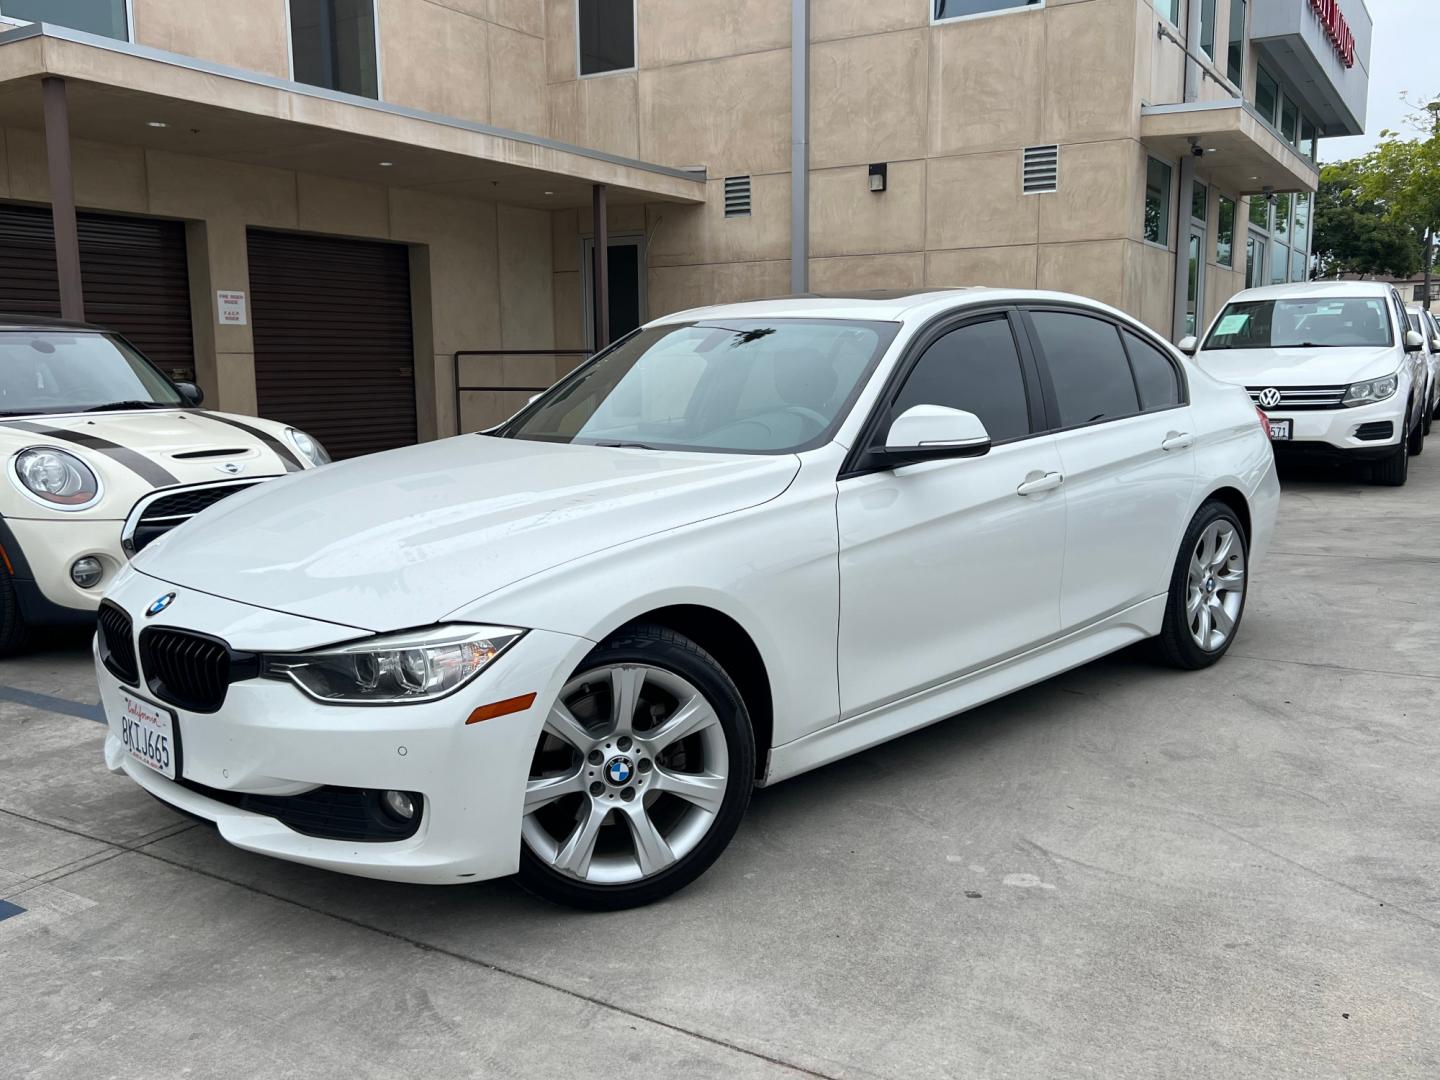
(734, 650)
(1235, 499)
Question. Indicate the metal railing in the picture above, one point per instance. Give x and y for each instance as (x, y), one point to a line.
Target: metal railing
(462, 353)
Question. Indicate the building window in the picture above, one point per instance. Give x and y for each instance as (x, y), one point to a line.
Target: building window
(1299, 271)
(1279, 264)
(1207, 27)
(607, 36)
(107, 18)
(1267, 96)
(1199, 202)
(1170, 9)
(1254, 262)
(1225, 233)
(1308, 137)
(1235, 59)
(1157, 202)
(1260, 212)
(1281, 228)
(959, 9)
(1300, 227)
(332, 45)
(1290, 122)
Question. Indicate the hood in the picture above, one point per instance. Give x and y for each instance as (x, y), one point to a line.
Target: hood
(400, 539)
(1297, 367)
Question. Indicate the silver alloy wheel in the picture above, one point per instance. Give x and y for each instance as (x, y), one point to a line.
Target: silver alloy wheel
(646, 774)
(1215, 587)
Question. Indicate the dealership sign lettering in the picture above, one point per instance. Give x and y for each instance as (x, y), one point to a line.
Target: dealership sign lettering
(1336, 29)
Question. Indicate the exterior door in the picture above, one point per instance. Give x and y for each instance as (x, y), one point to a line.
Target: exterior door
(945, 566)
(626, 280)
(334, 353)
(1124, 440)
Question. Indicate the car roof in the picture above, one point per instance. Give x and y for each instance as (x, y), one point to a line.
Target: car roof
(878, 305)
(1315, 290)
(37, 322)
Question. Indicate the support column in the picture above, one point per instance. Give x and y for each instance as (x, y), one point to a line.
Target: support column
(800, 146)
(62, 198)
(1185, 180)
(602, 267)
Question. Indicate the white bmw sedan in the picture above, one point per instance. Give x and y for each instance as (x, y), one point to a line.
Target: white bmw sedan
(741, 543)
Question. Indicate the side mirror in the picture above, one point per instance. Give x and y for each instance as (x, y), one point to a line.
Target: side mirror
(1413, 341)
(1435, 344)
(190, 393)
(1188, 344)
(930, 433)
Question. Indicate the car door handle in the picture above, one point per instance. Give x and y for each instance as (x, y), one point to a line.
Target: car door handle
(1177, 440)
(1046, 482)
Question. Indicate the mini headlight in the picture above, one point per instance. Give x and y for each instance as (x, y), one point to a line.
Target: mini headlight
(308, 448)
(1365, 393)
(394, 670)
(57, 477)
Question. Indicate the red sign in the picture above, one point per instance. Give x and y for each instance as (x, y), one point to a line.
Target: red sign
(1336, 29)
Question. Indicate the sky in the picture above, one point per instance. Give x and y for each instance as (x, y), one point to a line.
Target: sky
(1401, 60)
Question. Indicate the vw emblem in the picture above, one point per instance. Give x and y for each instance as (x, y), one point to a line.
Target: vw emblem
(1270, 397)
(231, 468)
(619, 771)
(160, 604)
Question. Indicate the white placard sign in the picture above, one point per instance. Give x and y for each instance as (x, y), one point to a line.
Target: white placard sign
(232, 308)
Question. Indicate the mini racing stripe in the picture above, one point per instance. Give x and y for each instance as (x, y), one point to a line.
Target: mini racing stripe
(292, 463)
(153, 474)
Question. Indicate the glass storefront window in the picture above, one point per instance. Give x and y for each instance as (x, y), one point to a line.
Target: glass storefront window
(104, 17)
(1225, 233)
(1299, 271)
(1300, 230)
(1235, 58)
(1254, 261)
(1281, 228)
(1260, 211)
(1157, 202)
(1199, 201)
(1279, 264)
(1192, 294)
(1290, 122)
(1267, 95)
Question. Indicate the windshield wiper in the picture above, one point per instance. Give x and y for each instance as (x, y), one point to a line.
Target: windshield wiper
(627, 445)
(113, 406)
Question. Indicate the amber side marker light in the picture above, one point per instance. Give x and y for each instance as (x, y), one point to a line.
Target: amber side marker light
(501, 708)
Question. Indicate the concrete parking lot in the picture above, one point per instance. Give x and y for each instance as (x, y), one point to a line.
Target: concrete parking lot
(1123, 872)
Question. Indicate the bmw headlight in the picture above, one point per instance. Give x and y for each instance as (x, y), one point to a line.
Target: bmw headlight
(396, 669)
(1366, 393)
(307, 447)
(56, 478)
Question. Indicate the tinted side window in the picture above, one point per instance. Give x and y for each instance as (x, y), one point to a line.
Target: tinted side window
(1155, 375)
(975, 368)
(1087, 366)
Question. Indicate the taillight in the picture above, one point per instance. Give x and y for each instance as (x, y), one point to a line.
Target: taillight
(1264, 420)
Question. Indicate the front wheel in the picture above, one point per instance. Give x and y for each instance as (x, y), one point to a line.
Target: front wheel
(640, 777)
(1416, 443)
(13, 630)
(1394, 468)
(1207, 590)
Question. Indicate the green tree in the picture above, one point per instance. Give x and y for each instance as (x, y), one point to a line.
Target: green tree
(1353, 234)
(1403, 177)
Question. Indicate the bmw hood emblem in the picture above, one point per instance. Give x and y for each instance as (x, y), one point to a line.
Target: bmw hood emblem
(231, 468)
(160, 604)
(619, 771)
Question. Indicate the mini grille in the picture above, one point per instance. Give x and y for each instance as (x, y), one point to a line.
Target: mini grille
(737, 196)
(167, 512)
(1294, 398)
(117, 644)
(1375, 430)
(184, 669)
(1042, 169)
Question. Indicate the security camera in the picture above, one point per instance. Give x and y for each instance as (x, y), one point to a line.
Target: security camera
(1197, 150)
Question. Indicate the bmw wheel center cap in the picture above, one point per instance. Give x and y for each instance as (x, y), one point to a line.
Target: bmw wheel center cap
(619, 770)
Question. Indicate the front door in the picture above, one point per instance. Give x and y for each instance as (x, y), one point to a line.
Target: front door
(945, 566)
(626, 273)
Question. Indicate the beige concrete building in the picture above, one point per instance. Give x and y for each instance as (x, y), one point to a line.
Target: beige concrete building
(320, 206)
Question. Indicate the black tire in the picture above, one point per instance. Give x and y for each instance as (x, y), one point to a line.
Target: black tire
(13, 631)
(1394, 470)
(659, 647)
(1416, 443)
(1175, 644)
(1429, 420)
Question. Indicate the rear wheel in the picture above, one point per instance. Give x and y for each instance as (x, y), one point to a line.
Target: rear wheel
(1207, 590)
(13, 630)
(641, 775)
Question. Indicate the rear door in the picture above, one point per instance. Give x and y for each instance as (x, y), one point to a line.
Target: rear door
(947, 566)
(1124, 435)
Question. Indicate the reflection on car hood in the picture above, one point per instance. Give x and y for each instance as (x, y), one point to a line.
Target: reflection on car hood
(1298, 367)
(400, 539)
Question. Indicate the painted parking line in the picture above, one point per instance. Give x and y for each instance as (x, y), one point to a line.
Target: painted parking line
(51, 703)
(8, 909)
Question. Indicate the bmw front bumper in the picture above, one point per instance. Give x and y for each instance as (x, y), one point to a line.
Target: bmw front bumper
(269, 739)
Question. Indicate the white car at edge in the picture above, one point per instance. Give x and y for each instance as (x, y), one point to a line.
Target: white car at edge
(1335, 366)
(741, 543)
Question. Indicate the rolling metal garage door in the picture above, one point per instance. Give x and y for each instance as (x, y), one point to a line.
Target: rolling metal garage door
(334, 354)
(134, 270)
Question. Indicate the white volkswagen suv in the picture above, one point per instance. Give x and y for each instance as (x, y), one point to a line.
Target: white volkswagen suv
(741, 543)
(1335, 366)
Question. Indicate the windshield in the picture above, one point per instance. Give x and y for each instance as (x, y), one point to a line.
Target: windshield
(1288, 324)
(44, 371)
(732, 385)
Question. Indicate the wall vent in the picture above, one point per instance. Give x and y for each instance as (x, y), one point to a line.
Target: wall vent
(1042, 169)
(737, 196)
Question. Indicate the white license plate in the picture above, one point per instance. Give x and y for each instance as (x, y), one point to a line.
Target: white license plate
(151, 735)
(1282, 429)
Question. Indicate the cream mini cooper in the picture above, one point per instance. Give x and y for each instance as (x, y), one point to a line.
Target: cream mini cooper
(103, 454)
